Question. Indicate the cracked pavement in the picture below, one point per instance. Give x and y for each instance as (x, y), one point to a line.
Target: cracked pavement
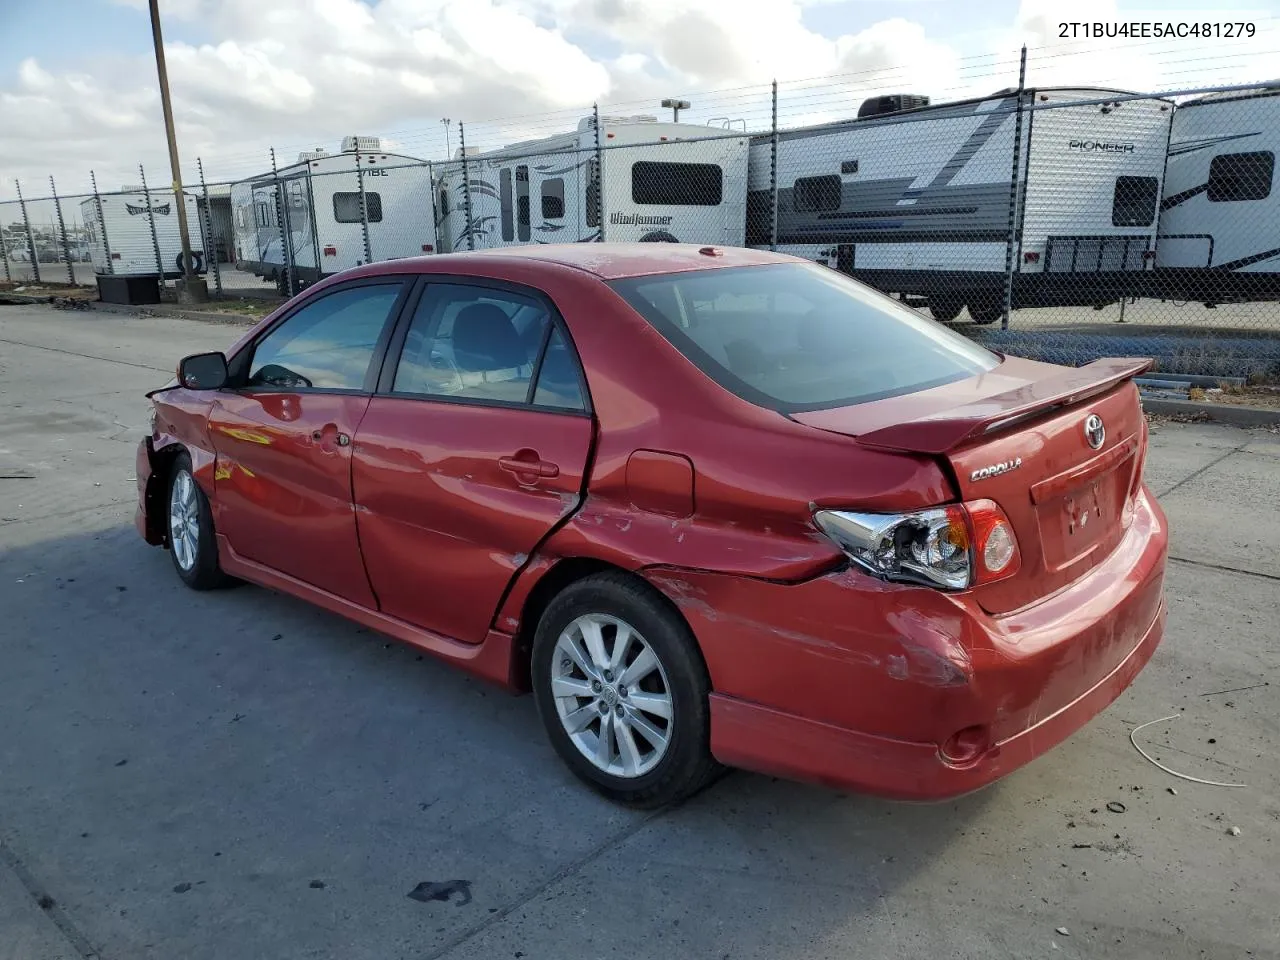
(237, 774)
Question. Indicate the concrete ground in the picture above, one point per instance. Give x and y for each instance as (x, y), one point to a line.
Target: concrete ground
(238, 775)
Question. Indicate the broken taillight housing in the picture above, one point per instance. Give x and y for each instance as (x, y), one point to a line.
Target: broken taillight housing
(954, 547)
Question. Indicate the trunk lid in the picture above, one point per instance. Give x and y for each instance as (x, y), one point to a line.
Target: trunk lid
(1026, 436)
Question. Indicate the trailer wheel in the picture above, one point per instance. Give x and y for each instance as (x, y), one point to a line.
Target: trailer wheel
(658, 236)
(985, 310)
(197, 262)
(945, 309)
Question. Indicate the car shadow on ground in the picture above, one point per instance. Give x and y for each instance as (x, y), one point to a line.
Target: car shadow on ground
(206, 772)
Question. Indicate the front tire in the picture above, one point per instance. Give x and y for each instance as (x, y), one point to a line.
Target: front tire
(622, 691)
(192, 545)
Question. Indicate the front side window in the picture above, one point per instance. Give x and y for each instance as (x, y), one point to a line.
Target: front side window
(1241, 176)
(346, 207)
(677, 184)
(1134, 202)
(327, 344)
(794, 337)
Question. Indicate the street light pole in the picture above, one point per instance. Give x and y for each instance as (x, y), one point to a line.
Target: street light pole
(179, 198)
(448, 152)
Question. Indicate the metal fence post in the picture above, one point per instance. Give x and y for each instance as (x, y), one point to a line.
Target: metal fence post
(210, 246)
(62, 230)
(4, 245)
(595, 113)
(1015, 219)
(285, 280)
(102, 224)
(364, 208)
(773, 173)
(31, 240)
(466, 187)
(155, 238)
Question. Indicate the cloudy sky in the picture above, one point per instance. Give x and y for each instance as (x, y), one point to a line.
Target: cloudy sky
(78, 83)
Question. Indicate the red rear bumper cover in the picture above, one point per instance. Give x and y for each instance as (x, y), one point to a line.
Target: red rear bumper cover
(854, 683)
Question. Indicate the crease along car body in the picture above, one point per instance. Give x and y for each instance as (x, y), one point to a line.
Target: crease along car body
(711, 506)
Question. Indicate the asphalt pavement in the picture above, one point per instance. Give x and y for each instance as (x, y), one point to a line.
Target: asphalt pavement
(236, 774)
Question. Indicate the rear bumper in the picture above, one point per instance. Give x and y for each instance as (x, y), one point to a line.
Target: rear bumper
(759, 738)
(857, 683)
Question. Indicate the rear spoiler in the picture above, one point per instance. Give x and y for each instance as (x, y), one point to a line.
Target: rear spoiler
(946, 430)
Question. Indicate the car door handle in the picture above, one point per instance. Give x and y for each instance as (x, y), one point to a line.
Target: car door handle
(530, 466)
(340, 438)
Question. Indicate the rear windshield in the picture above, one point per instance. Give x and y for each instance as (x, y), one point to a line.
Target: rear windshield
(795, 336)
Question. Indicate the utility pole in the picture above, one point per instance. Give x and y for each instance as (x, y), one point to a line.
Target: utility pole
(189, 290)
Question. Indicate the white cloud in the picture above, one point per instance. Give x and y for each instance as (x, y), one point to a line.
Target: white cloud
(298, 73)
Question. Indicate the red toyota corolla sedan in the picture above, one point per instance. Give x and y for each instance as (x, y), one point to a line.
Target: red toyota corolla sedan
(712, 506)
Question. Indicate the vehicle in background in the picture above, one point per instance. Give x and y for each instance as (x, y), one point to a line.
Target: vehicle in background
(119, 227)
(711, 505)
(933, 201)
(1219, 240)
(649, 181)
(315, 206)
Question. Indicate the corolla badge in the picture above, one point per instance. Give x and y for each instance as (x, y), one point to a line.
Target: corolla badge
(995, 469)
(1094, 431)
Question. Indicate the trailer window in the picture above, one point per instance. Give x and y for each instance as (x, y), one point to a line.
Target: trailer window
(264, 214)
(593, 193)
(815, 194)
(346, 207)
(522, 203)
(444, 202)
(1134, 204)
(508, 211)
(553, 199)
(1241, 176)
(677, 184)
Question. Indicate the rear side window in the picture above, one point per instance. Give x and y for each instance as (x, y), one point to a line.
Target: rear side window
(1134, 204)
(346, 207)
(816, 194)
(677, 184)
(793, 337)
(1241, 176)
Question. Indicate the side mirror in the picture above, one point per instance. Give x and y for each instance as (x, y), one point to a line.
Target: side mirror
(203, 371)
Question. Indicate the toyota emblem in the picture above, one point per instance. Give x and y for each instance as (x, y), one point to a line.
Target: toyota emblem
(1094, 431)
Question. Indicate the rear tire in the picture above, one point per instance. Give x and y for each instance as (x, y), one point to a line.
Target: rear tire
(945, 309)
(633, 723)
(986, 310)
(193, 546)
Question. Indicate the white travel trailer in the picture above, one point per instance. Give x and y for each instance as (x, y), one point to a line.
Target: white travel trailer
(924, 202)
(120, 238)
(1220, 217)
(664, 182)
(316, 204)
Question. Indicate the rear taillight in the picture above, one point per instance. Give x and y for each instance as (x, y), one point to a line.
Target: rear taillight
(954, 547)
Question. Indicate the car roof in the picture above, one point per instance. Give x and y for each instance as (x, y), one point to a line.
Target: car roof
(608, 261)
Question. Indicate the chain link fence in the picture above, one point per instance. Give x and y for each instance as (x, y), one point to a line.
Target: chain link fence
(1056, 223)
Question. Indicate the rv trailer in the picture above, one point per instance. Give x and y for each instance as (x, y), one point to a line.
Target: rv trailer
(922, 200)
(120, 239)
(315, 203)
(1219, 237)
(650, 181)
